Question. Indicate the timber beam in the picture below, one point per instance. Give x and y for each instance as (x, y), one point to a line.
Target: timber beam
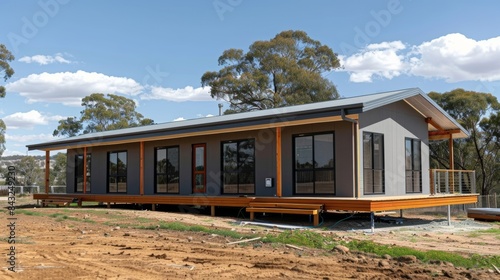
(440, 133)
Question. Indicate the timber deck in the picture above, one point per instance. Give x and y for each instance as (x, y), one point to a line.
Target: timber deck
(364, 204)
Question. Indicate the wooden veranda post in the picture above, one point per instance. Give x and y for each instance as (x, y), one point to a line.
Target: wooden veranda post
(278, 161)
(84, 169)
(47, 171)
(141, 169)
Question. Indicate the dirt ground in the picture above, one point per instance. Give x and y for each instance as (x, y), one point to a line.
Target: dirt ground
(96, 243)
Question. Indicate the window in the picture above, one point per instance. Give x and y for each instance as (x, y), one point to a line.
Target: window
(373, 163)
(413, 165)
(314, 168)
(79, 173)
(238, 166)
(117, 172)
(167, 170)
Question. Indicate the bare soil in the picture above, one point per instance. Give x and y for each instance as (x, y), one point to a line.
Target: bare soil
(96, 243)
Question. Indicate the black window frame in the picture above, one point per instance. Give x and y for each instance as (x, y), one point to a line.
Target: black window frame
(79, 175)
(117, 176)
(313, 169)
(410, 172)
(372, 169)
(238, 166)
(166, 148)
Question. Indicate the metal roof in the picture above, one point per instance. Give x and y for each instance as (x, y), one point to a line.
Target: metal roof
(353, 105)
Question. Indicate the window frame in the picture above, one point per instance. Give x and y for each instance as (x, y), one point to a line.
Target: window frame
(238, 164)
(313, 169)
(156, 174)
(372, 168)
(78, 175)
(413, 170)
(117, 174)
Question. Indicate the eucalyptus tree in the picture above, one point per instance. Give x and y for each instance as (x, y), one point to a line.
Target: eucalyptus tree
(5, 57)
(102, 113)
(478, 113)
(286, 70)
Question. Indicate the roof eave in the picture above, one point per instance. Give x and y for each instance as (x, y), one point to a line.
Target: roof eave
(275, 119)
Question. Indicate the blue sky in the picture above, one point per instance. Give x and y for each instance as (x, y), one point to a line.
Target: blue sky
(155, 52)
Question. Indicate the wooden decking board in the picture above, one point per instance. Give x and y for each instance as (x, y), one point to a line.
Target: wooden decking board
(330, 203)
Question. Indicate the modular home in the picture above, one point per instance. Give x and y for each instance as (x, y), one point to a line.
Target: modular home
(366, 153)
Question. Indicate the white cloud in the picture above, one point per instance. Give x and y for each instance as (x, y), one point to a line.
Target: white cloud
(20, 142)
(179, 95)
(202, 116)
(455, 58)
(29, 138)
(69, 88)
(452, 57)
(28, 120)
(198, 115)
(381, 60)
(45, 59)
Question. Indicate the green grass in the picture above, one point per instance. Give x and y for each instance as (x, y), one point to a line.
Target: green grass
(29, 213)
(395, 251)
(61, 217)
(495, 231)
(491, 231)
(301, 238)
(177, 226)
(143, 220)
(318, 241)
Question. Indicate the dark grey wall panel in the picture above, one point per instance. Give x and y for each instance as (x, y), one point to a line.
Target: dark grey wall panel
(343, 155)
(265, 158)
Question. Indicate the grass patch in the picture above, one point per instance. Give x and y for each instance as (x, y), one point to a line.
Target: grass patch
(57, 215)
(29, 213)
(177, 226)
(318, 241)
(495, 231)
(143, 220)
(301, 238)
(492, 231)
(395, 251)
(62, 217)
(474, 234)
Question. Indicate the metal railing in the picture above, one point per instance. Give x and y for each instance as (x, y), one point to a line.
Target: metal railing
(452, 181)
